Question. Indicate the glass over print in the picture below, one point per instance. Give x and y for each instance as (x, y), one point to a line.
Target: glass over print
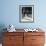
(26, 13)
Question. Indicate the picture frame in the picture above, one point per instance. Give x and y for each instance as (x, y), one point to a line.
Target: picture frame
(26, 13)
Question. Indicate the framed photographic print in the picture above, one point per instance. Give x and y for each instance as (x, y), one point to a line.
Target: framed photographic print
(26, 13)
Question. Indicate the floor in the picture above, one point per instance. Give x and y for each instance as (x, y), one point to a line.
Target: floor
(0, 44)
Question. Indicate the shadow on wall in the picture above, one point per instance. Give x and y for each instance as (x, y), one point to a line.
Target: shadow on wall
(2, 26)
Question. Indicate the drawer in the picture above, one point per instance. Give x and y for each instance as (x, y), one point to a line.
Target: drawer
(13, 33)
(27, 37)
(34, 33)
(12, 38)
(37, 39)
(13, 41)
(37, 44)
(12, 44)
(18, 44)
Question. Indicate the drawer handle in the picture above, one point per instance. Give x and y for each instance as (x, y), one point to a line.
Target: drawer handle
(11, 38)
(33, 39)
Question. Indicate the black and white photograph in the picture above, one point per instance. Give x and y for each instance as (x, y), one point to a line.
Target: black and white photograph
(26, 13)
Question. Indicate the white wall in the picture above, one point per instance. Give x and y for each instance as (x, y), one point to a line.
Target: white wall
(10, 13)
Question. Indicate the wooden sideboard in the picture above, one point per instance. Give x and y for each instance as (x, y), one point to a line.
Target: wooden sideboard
(23, 38)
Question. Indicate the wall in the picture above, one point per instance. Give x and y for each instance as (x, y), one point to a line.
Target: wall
(9, 13)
